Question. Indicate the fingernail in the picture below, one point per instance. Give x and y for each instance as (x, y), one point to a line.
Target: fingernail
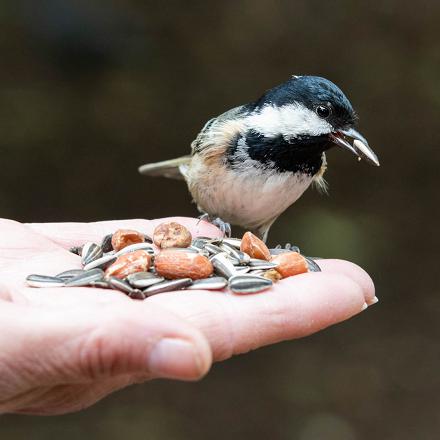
(374, 300)
(364, 306)
(175, 359)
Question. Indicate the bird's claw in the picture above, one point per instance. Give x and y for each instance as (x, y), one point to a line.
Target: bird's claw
(224, 227)
(288, 247)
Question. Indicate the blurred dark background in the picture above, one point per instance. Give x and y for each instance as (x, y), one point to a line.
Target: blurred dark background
(89, 90)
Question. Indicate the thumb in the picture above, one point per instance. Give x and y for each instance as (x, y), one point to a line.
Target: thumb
(86, 344)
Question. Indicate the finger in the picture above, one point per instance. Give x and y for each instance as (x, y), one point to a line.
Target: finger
(75, 234)
(66, 398)
(293, 308)
(88, 344)
(356, 273)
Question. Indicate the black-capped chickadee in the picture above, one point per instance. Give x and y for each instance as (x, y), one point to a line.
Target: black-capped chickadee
(251, 163)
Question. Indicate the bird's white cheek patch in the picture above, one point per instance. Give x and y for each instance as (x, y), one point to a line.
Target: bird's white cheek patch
(290, 121)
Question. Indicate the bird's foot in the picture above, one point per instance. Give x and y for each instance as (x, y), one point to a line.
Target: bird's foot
(224, 227)
(287, 247)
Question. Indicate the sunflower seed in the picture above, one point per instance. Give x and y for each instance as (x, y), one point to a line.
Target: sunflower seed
(76, 250)
(222, 265)
(238, 255)
(206, 239)
(90, 252)
(35, 280)
(100, 284)
(68, 274)
(106, 243)
(136, 247)
(199, 242)
(137, 294)
(200, 251)
(120, 285)
(213, 249)
(313, 265)
(213, 283)
(242, 269)
(248, 284)
(141, 280)
(235, 242)
(257, 272)
(168, 286)
(261, 264)
(101, 263)
(86, 278)
(243, 257)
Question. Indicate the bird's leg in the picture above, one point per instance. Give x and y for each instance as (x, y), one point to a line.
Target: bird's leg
(217, 221)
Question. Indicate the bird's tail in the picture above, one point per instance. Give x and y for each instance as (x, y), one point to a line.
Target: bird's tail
(173, 169)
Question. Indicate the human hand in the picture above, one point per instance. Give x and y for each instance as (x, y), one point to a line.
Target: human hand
(63, 349)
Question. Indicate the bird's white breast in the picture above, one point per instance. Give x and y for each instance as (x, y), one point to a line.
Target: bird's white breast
(250, 196)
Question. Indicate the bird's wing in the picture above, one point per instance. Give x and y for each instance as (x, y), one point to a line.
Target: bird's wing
(216, 129)
(212, 140)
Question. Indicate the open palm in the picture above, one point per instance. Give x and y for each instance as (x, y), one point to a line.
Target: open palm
(63, 349)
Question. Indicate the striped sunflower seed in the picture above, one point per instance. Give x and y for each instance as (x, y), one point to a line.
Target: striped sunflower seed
(222, 265)
(68, 274)
(245, 284)
(36, 280)
(213, 249)
(90, 252)
(106, 243)
(242, 269)
(76, 250)
(168, 286)
(86, 278)
(102, 284)
(255, 263)
(141, 280)
(199, 242)
(236, 254)
(101, 263)
(213, 283)
(120, 285)
(234, 242)
(136, 247)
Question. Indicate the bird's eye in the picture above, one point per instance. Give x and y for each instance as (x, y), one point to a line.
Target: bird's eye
(323, 111)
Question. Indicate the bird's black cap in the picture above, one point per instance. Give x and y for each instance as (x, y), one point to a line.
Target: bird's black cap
(312, 91)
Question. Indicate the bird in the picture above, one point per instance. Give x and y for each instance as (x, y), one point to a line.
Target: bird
(248, 165)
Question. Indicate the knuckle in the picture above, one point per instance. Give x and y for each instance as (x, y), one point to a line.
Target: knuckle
(96, 358)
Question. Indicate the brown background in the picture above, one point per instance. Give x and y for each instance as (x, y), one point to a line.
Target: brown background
(89, 90)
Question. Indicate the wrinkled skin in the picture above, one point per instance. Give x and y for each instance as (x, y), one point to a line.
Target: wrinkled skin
(63, 349)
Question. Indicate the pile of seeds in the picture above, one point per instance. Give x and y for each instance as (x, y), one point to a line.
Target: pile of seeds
(140, 266)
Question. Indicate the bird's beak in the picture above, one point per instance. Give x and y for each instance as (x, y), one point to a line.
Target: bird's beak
(359, 147)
